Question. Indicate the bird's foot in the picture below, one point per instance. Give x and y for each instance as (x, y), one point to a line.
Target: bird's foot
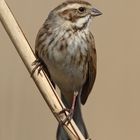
(38, 65)
(68, 116)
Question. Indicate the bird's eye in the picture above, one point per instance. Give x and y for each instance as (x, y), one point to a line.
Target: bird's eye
(82, 9)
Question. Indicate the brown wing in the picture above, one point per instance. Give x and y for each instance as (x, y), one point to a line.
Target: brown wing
(39, 44)
(91, 74)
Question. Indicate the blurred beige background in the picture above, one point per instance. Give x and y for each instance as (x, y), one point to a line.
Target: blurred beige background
(112, 111)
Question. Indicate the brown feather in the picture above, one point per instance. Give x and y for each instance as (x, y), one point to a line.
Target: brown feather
(91, 74)
(39, 44)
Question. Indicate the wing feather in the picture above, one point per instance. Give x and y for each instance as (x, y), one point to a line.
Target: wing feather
(39, 44)
(91, 72)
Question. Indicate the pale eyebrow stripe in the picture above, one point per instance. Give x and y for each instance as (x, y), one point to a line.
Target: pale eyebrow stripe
(72, 6)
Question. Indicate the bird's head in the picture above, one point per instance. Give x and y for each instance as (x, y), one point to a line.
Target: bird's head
(74, 13)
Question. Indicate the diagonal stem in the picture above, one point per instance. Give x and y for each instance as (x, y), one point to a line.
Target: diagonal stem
(43, 83)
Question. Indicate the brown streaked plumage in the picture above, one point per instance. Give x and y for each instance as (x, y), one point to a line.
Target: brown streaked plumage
(66, 48)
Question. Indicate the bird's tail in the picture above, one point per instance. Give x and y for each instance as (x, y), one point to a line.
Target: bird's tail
(78, 119)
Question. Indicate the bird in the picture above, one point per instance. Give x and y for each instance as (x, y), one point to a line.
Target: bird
(65, 47)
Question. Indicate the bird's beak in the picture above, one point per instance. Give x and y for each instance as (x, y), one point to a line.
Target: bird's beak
(95, 12)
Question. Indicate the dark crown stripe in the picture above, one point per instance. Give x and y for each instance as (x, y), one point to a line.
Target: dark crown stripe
(64, 4)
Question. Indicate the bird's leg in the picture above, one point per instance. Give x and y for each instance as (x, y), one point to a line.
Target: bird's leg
(71, 110)
(38, 65)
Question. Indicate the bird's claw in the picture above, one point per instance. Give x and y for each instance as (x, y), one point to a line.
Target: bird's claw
(68, 116)
(38, 65)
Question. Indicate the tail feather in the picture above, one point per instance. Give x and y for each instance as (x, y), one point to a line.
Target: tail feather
(78, 119)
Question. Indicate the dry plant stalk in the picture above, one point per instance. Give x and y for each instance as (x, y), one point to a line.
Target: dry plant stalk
(44, 85)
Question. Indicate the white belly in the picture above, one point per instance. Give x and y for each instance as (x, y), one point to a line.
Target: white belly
(67, 77)
(68, 67)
